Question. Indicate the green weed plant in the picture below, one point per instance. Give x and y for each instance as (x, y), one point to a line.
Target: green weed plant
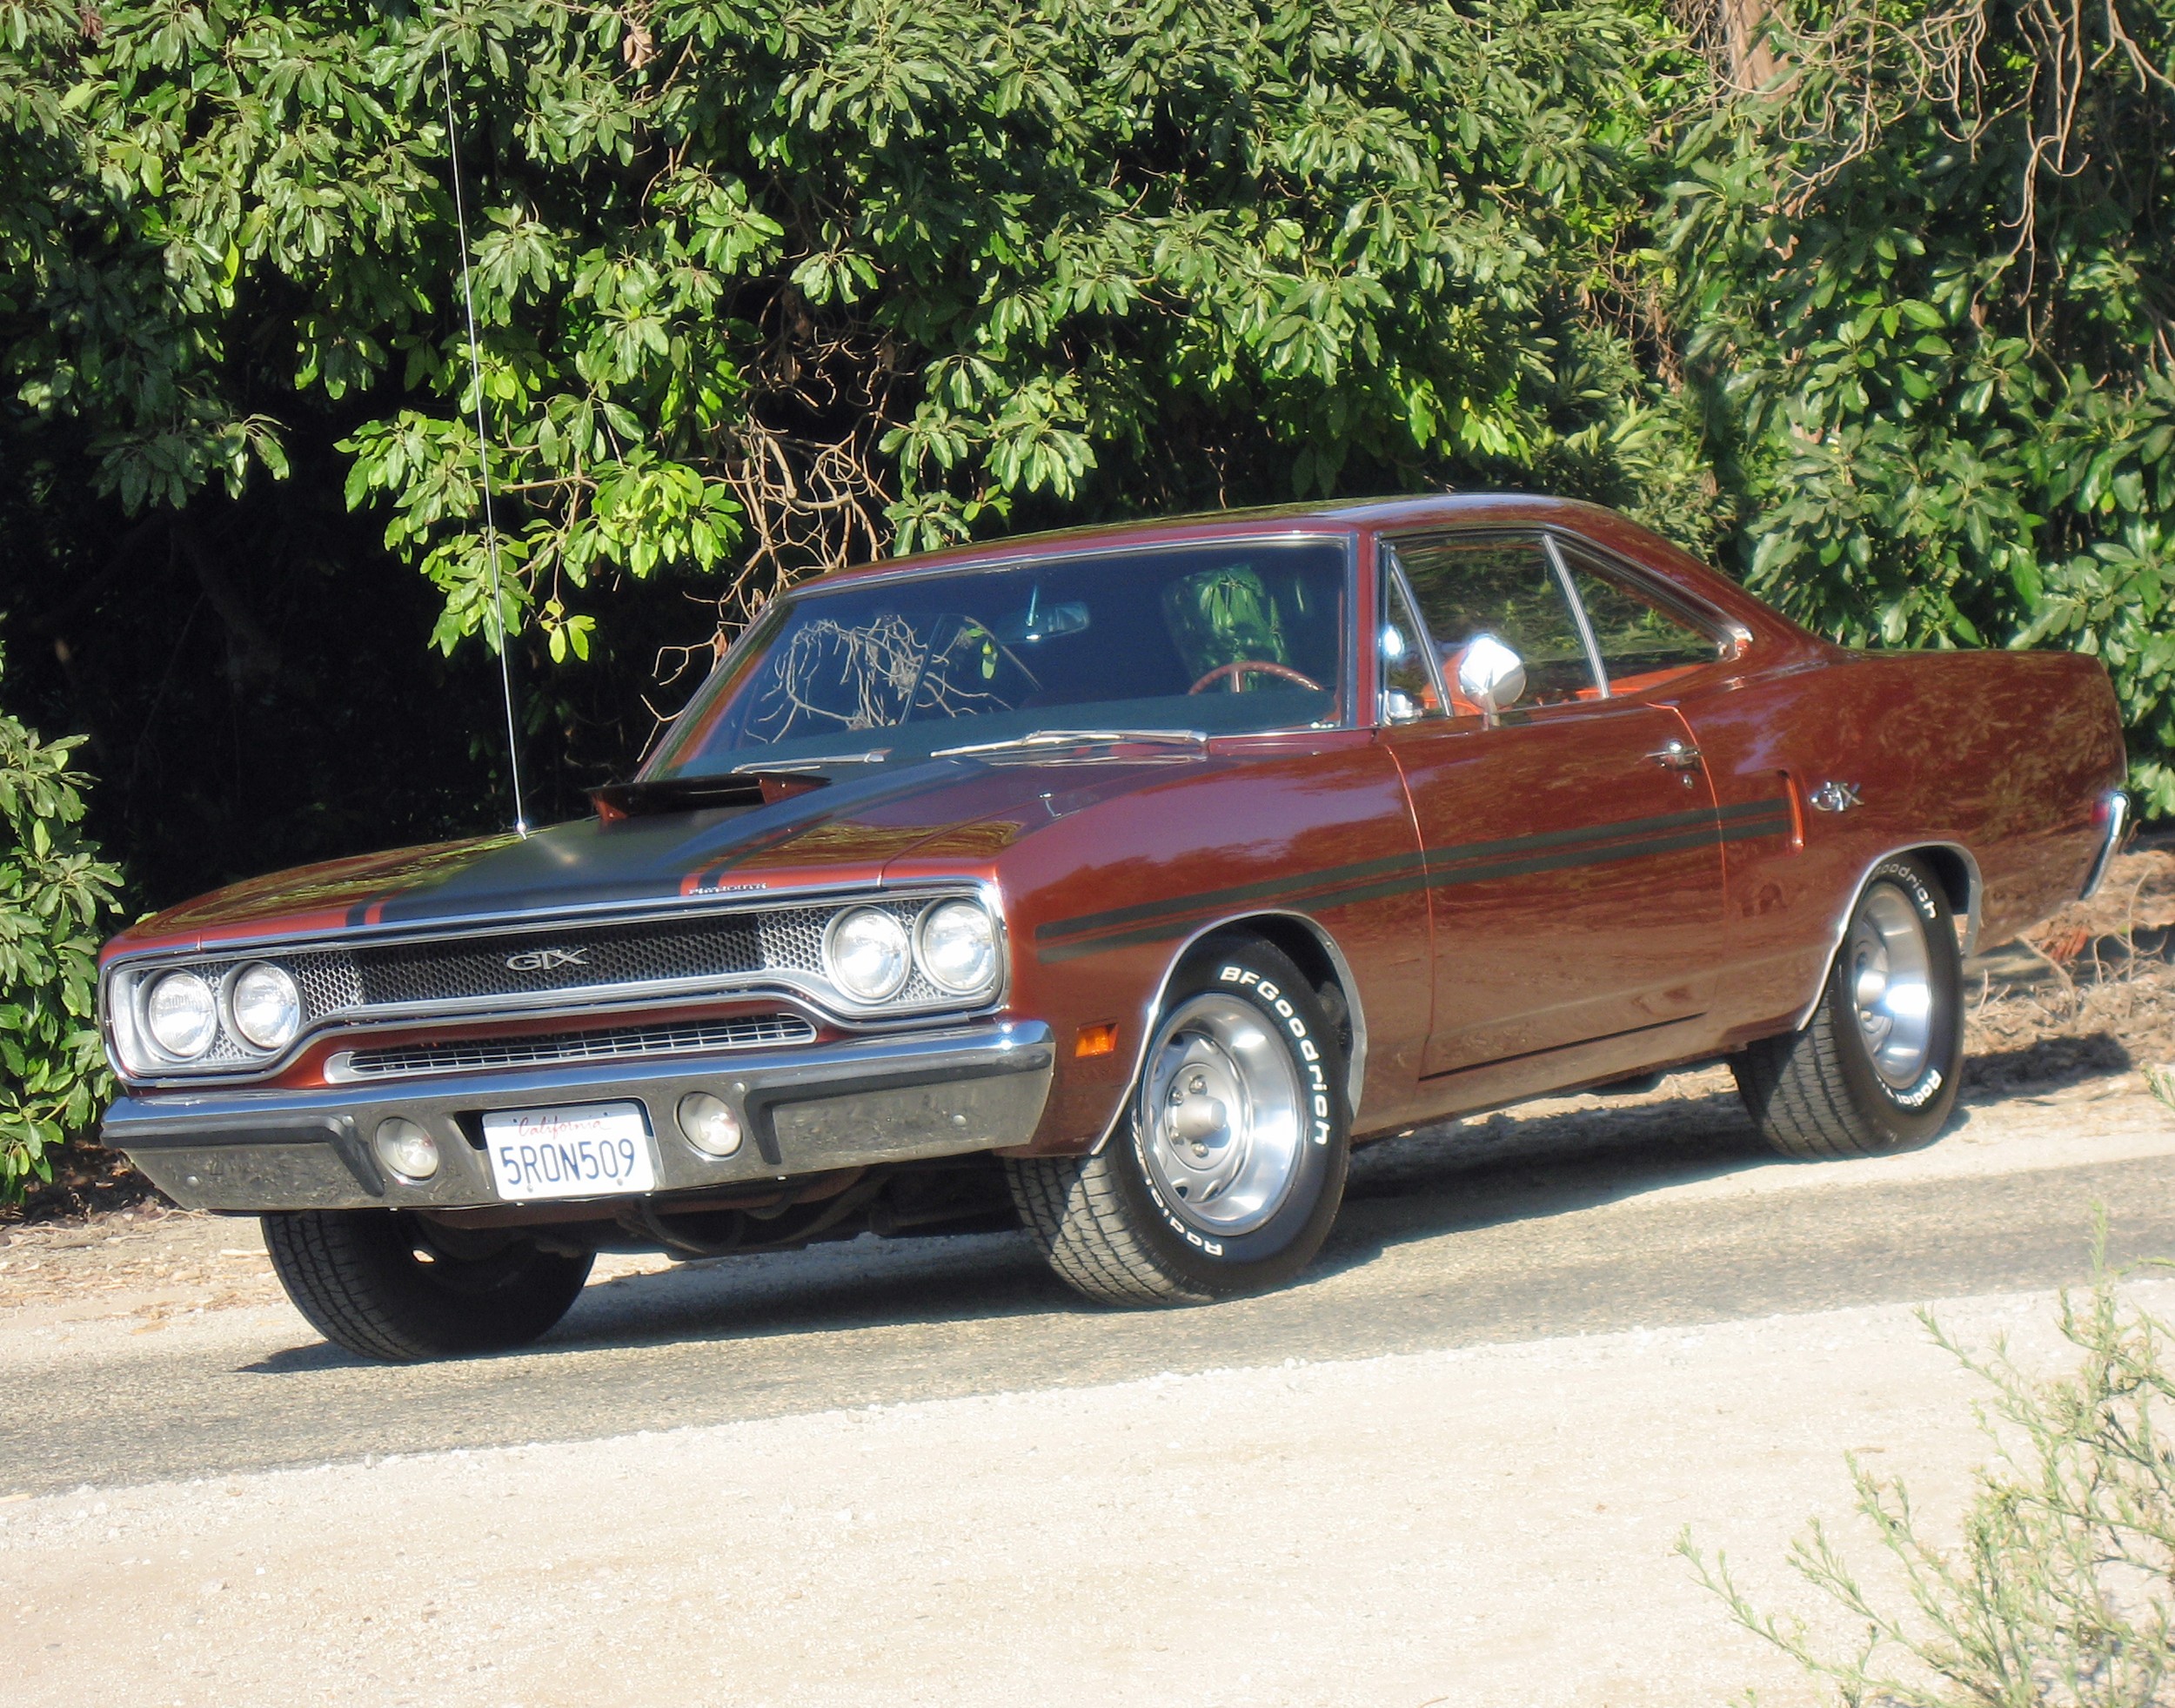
(2059, 1591)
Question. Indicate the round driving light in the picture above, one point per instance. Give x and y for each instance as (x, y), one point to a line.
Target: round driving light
(266, 1007)
(709, 1123)
(182, 1017)
(866, 954)
(958, 946)
(406, 1148)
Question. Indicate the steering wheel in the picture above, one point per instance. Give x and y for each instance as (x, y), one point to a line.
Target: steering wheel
(1238, 667)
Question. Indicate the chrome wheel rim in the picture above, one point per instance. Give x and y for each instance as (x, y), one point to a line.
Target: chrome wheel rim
(1222, 1116)
(1891, 972)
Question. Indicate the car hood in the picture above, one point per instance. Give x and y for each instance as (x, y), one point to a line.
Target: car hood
(844, 833)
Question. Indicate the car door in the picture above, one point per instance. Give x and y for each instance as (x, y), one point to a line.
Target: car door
(1573, 866)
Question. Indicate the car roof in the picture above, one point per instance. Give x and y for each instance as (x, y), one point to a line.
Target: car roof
(1333, 516)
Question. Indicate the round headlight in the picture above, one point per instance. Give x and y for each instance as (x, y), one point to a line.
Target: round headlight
(866, 954)
(958, 946)
(406, 1148)
(266, 1007)
(181, 1016)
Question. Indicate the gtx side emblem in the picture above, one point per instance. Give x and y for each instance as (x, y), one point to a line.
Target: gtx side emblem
(543, 960)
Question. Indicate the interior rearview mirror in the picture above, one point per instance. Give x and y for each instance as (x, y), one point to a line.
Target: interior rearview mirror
(1489, 674)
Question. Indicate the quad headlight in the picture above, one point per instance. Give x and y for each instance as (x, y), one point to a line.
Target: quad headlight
(206, 1016)
(265, 1006)
(866, 954)
(872, 954)
(181, 1015)
(957, 943)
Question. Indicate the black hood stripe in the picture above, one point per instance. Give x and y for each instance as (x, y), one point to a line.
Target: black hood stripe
(825, 806)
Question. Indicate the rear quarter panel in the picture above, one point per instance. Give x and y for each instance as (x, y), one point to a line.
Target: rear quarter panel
(2001, 756)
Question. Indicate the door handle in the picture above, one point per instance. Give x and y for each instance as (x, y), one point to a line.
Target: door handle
(1676, 756)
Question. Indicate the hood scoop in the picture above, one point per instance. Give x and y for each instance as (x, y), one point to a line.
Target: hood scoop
(646, 799)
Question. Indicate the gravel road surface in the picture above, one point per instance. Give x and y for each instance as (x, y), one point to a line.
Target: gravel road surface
(1446, 1468)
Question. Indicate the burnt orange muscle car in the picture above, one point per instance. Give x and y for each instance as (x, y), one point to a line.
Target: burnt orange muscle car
(1115, 883)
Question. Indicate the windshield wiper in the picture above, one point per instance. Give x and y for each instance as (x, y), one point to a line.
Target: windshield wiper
(781, 767)
(1076, 738)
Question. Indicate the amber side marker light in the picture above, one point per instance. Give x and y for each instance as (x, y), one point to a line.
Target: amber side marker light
(1098, 1039)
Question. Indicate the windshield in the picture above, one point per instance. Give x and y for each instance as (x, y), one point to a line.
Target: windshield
(1220, 637)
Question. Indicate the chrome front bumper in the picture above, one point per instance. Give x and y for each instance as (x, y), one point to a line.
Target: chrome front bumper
(934, 1094)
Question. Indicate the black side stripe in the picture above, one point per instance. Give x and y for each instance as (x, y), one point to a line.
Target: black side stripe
(1083, 924)
(1781, 824)
(1438, 869)
(1337, 876)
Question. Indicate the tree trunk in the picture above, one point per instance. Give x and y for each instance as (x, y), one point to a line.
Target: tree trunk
(1753, 64)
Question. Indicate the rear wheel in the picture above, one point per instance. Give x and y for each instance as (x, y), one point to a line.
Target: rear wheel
(1227, 1167)
(1876, 1069)
(383, 1285)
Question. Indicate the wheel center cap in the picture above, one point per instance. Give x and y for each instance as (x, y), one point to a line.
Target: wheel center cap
(1871, 985)
(1199, 1141)
(1195, 1118)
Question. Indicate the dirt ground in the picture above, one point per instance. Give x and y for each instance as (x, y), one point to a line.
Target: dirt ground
(1474, 1528)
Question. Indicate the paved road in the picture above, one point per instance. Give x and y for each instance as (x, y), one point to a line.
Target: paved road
(1436, 1249)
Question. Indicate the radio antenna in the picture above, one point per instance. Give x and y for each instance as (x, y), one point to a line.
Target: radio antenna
(483, 450)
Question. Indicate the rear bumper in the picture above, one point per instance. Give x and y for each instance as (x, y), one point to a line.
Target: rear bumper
(934, 1094)
(2114, 812)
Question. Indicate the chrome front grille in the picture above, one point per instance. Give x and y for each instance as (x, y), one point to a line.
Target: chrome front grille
(739, 950)
(328, 982)
(465, 969)
(474, 972)
(743, 1031)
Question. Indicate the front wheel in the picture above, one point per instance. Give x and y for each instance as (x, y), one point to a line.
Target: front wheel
(1227, 1166)
(384, 1286)
(1876, 1069)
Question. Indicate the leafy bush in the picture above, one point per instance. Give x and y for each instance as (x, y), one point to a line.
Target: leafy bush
(2061, 1591)
(1923, 290)
(55, 895)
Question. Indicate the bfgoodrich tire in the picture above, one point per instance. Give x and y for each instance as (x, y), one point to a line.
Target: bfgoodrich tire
(1227, 1166)
(1876, 1069)
(378, 1284)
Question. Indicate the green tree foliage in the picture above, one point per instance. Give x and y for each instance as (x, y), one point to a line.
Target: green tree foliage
(57, 898)
(768, 285)
(1927, 294)
(762, 286)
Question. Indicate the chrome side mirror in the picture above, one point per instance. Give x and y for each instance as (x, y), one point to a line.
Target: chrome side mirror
(1489, 674)
(1400, 707)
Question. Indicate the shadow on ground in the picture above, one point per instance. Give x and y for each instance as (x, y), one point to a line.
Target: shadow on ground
(1491, 1176)
(1556, 1223)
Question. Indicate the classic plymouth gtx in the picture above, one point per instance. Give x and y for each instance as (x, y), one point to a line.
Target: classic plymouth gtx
(1115, 883)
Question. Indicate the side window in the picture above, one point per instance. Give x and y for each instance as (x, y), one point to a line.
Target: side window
(1409, 690)
(1642, 642)
(1473, 585)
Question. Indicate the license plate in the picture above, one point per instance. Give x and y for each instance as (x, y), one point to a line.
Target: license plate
(594, 1150)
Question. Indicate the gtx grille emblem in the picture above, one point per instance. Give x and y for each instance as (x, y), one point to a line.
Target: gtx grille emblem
(543, 960)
